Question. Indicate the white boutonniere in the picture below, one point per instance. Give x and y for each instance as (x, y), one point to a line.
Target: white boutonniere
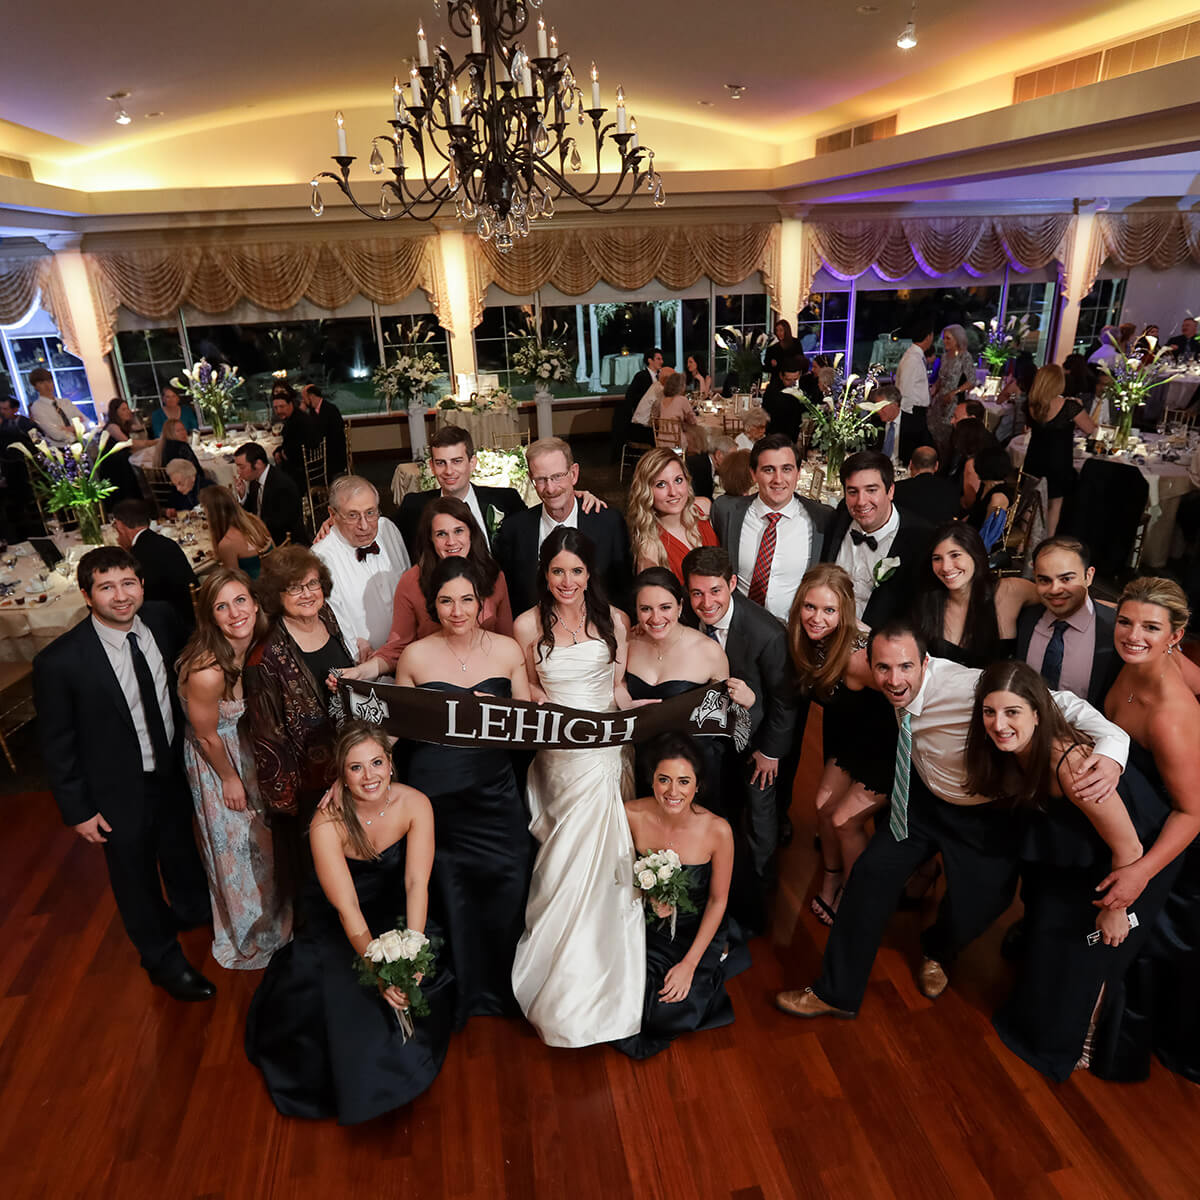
(494, 519)
(884, 569)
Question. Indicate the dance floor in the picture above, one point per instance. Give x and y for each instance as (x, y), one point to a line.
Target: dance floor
(110, 1089)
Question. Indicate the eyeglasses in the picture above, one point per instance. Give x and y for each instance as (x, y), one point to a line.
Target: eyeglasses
(541, 481)
(360, 518)
(299, 589)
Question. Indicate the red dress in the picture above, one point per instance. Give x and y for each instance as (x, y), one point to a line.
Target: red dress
(677, 550)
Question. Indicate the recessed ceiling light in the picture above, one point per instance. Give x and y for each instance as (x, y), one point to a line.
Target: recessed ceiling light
(705, 103)
(867, 9)
(735, 90)
(151, 116)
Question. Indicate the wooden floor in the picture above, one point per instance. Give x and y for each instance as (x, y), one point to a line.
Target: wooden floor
(110, 1089)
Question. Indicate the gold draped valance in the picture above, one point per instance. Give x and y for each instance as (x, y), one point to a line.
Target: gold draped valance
(20, 282)
(575, 260)
(896, 247)
(1158, 239)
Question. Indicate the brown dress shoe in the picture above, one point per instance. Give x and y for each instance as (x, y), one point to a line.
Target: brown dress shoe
(808, 1004)
(931, 979)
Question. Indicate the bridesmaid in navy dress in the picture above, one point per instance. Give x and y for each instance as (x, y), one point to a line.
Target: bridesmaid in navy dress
(326, 1045)
(484, 851)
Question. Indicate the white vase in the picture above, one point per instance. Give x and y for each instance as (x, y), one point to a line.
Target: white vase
(416, 432)
(543, 397)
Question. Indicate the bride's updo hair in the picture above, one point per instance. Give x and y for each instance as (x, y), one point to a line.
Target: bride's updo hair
(674, 745)
(597, 613)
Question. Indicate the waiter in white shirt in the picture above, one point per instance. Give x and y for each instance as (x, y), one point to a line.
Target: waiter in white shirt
(933, 810)
(912, 378)
(51, 413)
(366, 557)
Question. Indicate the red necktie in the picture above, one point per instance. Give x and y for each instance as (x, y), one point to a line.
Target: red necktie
(762, 564)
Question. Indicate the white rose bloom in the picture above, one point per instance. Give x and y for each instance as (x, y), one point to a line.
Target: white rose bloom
(665, 872)
(373, 951)
(673, 858)
(392, 946)
(646, 880)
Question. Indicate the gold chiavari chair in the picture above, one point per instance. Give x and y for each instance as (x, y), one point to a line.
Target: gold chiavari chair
(667, 433)
(510, 441)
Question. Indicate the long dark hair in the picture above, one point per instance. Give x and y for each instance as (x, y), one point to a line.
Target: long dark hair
(486, 568)
(997, 774)
(595, 602)
(981, 634)
(447, 569)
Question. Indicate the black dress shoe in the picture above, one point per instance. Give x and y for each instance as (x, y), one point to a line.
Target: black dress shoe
(187, 984)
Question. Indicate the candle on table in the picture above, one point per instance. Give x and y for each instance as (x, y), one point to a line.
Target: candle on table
(620, 109)
(416, 88)
(595, 87)
(341, 134)
(422, 47)
(543, 52)
(476, 34)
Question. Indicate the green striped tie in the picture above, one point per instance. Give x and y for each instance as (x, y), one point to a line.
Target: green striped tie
(899, 821)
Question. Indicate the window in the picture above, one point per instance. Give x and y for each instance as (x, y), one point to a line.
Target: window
(419, 333)
(821, 327)
(748, 313)
(1100, 307)
(46, 350)
(148, 359)
(1032, 305)
(497, 336)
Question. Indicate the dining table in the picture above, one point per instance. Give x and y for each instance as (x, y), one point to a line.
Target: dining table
(215, 456)
(484, 427)
(618, 370)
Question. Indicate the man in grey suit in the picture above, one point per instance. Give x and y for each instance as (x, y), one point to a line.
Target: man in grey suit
(774, 537)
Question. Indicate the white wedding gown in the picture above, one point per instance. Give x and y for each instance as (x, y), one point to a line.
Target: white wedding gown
(580, 965)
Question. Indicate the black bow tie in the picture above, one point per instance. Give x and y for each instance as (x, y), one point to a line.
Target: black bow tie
(860, 538)
(363, 551)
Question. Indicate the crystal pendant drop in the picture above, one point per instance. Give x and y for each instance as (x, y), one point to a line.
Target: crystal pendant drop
(503, 243)
(535, 204)
(660, 197)
(576, 160)
(510, 225)
(317, 205)
(541, 140)
(523, 224)
(580, 108)
(484, 226)
(468, 208)
(452, 177)
(547, 204)
(385, 204)
(375, 162)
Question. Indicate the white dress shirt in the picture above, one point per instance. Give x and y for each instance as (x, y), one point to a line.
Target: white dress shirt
(549, 524)
(244, 501)
(858, 561)
(120, 656)
(47, 417)
(645, 406)
(721, 625)
(941, 715)
(472, 502)
(912, 379)
(363, 591)
(793, 549)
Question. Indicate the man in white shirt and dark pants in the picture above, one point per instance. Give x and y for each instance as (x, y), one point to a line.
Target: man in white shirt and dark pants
(53, 415)
(912, 378)
(933, 810)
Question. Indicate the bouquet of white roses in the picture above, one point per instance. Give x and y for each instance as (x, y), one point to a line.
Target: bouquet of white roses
(663, 881)
(493, 400)
(400, 958)
(212, 389)
(543, 363)
(406, 379)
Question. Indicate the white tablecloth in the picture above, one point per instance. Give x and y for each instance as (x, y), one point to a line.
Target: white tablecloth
(1178, 393)
(618, 370)
(215, 458)
(483, 426)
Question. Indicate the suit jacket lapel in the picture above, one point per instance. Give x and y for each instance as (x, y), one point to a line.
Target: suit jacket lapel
(736, 520)
(101, 669)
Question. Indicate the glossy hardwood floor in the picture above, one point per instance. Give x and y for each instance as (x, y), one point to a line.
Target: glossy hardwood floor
(110, 1089)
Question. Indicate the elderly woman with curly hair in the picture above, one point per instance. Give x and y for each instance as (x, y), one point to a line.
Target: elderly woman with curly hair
(665, 518)
(955, 377)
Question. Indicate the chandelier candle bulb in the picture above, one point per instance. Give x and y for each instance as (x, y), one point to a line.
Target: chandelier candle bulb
(595, 87)
(416, 89)
(526, 81)
(422, 47)
(341, 134)
(476, 34)
(396, 97)
(633, 130)
(553, 43)
(620, 110)
(455, 105)
(543, 50)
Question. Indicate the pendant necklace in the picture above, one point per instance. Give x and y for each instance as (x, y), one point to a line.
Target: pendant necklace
(382, 810)
(670, 647)
(574, 632)
(462, 662)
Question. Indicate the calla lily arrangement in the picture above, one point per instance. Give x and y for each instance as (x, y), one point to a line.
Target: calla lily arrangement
(843, 418)
(1130, 382)
(67, 476)
(745, 352)
(212, 389)
(404, 381)
(1001, 344)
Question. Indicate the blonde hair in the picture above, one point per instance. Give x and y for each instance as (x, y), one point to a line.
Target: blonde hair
(353, 734)
(1046, 387)
(639, 515)
(224, 513)
(821, 673)
(1162, 593)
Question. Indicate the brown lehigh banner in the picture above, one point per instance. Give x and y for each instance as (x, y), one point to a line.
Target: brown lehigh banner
(467, 719)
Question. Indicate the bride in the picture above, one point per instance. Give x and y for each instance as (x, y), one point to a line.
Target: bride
(580, 964)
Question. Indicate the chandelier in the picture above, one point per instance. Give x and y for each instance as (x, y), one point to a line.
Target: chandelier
(499, 134)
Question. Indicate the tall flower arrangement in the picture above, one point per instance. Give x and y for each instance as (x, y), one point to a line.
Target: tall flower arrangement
(843, 418)
(212, 388)
(1130, 382)
(404, 381)
(1001, 344)
(745, 352)
(543, 363)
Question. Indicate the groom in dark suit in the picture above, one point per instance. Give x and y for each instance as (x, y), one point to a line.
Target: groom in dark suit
(555, 474)
(111, 733)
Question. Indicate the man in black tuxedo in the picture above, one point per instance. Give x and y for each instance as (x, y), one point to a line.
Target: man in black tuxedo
(756, 645)
(1185, 344)
(111, 733)
(703, 468)
(269, 493)
(167, 576)
(452, 460)
(299, 433)
(623, 413)
(925, 493)
(785, 410)
(555, 474)
(328, 426)
(879, 545)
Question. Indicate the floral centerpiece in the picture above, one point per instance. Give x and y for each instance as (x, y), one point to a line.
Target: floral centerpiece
(493, 468)
(543, 363)
(745, 352)
(1130, 382)
(212, 389)
(399, 958)
(67, 478)
(663, 881)
(1001, 344)
(404, 382)
(493, 400)
(843, 418)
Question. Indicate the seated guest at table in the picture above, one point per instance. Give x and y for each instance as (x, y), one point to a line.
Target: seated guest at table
(754, 427)
(111, 735)
(293, 712)
(14, 425)
(326, 1045)
(186, 484)
(167, 576)
(270, 494)
(705, 466)
(1053, 419)
(447, 530)
(735, 476)
(956, 375)
(20, 517)
(969, 436)
(485, 852)
(623, 413)
(987, 486)
(1014, 394)
(648, 408)
(785, 410)
(828, 649)
(329, 428)
(239, 538)
(53, 415)
(784, 348)
(929, 495)
(298, 431)
(1147, 343)
(1019, 748)
(127, 432)
(452, 461)
(172, 408)
(675, 406)
(964, 612)
(555, 476)
(771, 538)
(1079, 380)
(689, 956)
(866, 529)
(696, 378)
(124, 425)
(250, 919)
(665, 518)
(366, 557)
(1109, 349)
(172, 444)
(1185, 345)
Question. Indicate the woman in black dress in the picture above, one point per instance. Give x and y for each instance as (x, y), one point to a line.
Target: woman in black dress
(1053, 419)
(1017, 745)
(326, 1045)
(687, 960)
(484, 850)
(829, 652)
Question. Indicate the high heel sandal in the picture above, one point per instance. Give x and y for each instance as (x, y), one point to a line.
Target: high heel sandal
(825, 911)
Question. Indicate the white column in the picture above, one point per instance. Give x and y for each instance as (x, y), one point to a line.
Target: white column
(1076, 283)
(657, 324)
(453, 248)
(581, 370)
(85, 321)
(791, 253)
(595, 330)
(679, 335)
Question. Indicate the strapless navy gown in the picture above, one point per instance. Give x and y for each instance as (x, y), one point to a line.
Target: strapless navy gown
(482, 861)
(326, 1045)
(707, 1004)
